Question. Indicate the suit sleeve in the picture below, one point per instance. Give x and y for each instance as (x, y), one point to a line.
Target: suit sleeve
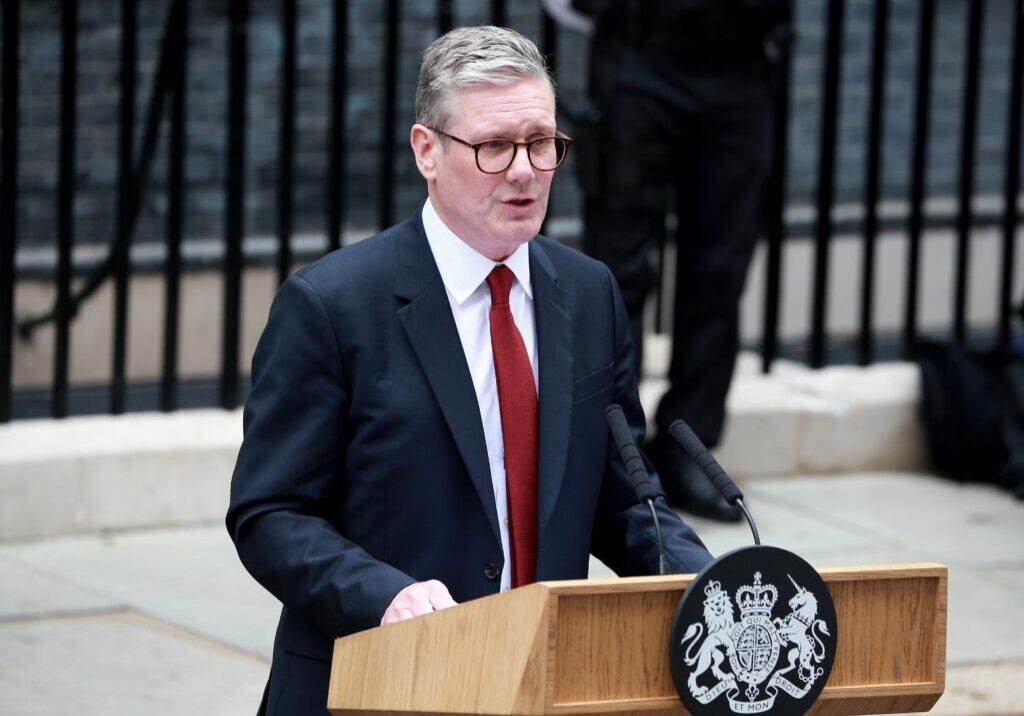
(624, 536)
(288, 480)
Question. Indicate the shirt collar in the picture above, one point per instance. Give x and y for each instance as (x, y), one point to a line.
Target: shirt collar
(462, 267)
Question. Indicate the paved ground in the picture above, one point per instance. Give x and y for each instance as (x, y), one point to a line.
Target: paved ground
(166, 622)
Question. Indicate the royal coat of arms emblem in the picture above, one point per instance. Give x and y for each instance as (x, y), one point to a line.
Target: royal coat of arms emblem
(749, 660)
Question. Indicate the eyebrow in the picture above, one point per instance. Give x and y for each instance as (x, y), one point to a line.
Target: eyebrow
(536, 129)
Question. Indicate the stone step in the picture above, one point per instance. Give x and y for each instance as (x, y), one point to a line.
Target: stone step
(88, 474)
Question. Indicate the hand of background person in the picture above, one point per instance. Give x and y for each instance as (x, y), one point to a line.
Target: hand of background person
(416, 599)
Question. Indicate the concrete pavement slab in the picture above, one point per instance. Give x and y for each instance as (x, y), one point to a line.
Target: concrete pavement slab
(190, 577)
(983, 690)
(25, 592)
(200, 612)
(986, 622)
(783, 525)
(970, 524)
(121, 664)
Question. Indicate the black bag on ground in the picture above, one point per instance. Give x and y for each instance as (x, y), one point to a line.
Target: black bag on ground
(972, 405)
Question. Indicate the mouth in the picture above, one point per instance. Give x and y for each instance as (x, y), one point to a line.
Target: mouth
(521, 202)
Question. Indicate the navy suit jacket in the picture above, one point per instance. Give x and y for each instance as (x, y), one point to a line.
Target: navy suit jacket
(364, 467)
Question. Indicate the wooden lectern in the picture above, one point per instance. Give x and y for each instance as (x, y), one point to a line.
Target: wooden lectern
(601, 646)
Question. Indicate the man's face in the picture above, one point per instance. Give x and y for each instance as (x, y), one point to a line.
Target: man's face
(494, 213)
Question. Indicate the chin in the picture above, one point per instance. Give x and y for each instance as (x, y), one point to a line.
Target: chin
(521, 232)
(518, 238)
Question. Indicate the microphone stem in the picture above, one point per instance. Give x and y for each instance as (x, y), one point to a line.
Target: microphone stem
(662, 559)
(750, 521)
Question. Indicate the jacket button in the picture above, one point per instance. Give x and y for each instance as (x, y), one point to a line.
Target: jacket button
(491, 571)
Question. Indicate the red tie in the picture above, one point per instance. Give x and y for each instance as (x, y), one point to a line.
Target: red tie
(517, 400)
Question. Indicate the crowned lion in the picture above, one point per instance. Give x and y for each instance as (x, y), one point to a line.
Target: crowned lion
(718, 615)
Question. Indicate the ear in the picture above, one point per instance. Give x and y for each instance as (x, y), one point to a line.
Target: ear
(425, 148)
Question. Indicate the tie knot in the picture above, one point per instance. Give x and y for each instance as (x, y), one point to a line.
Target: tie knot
(500, 281)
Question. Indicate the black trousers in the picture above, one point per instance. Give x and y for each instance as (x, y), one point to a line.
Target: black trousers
(705, 136)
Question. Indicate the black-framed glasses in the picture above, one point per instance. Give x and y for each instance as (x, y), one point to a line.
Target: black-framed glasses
(496, 155)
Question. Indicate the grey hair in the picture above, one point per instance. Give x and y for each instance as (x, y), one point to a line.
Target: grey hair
(468, 56)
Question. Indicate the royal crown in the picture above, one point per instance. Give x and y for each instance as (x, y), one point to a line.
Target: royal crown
(712, 589)
(756, 599)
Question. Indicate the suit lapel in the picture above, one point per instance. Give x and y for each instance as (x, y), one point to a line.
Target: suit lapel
(554, 347)
(428, 322)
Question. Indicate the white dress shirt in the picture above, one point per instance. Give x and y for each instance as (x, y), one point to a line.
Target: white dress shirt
(464, 272)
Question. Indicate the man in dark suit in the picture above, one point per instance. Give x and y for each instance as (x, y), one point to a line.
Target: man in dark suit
(426, 424)
(683, 105)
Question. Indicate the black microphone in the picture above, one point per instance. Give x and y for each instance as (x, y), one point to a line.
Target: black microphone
(697, 452)
(693, 447)
(637, 471)
(635, 466)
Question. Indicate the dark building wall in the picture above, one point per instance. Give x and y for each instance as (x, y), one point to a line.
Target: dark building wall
(95, 200)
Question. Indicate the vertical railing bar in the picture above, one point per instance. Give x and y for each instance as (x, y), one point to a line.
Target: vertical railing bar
(866, 349)
(662, 293)
(235, 206)
(445, 16)
(498, 14)
(549, 43)
(65, 199)
(1012, 178)
(139, 183)
(968, 132)
(919, 158)
(175, 208)
(387, 154)
(8, 200)
(286, 140)
(549, 46)
(826, 183)
(776, 229)
(129, 46)
(336, 203)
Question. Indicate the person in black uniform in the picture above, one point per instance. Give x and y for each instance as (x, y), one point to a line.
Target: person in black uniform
(683, 108)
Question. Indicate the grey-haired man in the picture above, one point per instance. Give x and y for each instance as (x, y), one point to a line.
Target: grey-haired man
(426, 424)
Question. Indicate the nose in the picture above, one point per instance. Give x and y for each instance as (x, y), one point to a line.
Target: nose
(520, 171)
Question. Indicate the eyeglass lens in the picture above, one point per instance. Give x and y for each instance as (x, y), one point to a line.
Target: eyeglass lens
(545, 154)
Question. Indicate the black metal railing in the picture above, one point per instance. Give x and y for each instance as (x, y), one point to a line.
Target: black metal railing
(8, 199)
(168, 107)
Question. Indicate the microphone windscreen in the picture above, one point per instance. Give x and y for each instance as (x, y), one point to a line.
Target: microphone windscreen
(697, 452)
(631, 458)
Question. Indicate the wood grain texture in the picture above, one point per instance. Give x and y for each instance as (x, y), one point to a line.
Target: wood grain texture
(485, 656)
(600, 646)
(617, 650)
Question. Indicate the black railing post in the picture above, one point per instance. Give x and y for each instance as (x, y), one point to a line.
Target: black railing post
(969, 123)
(445, 16)
(549, 46)
(286, 140)
(826, 182)
(336, 181)
(175, 207)
(8, 200)
(776, 229)
(387, 139)
(235, 205)
(122, 255)
(866, 349)
(922, 99)
(139, 183)
(1012, 179)
(499, 16)
(65, 201)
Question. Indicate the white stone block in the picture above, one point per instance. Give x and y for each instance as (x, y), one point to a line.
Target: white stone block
(137, 470)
